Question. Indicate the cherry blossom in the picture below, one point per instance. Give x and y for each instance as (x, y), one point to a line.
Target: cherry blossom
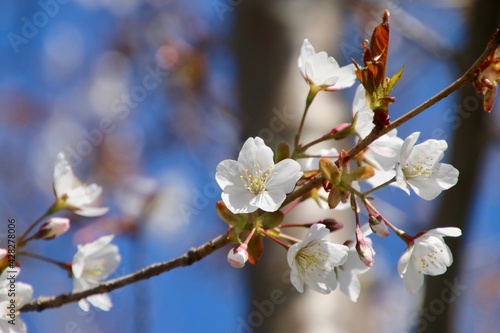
(72, 194)
(323, 72)
(254, 181)
(426, 254)
(419, 168)
(313, 261)
(93, 263)
(20, 294)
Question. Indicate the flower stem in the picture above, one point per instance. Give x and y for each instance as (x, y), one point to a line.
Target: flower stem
(52, 209)
(401, 233)
(279, 241)
(289, 208)
(63, 265)
(376, 133)
(310, 97)
(380, 186)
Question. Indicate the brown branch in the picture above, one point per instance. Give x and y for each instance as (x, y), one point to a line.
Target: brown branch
(466, 78)
(187, 259)
(196, 254)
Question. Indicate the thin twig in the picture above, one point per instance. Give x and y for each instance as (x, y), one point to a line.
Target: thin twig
(466, 78)
(196, 254)
(187, 259)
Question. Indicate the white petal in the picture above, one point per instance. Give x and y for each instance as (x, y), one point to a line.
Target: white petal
(270, 201)
(255, 152)
(448, 231)
(346, 78)
(446, 176)
(407, 147)
(84, 305)
(316, 232)
(306, 51)
(413, 280)
(401, 180)
(349, 284)
(237, 199)
(338, 253)
(426, 188)
(404, 261)
(322, 70)
(101, 301)
(292, 252)
(63, 175)
(284, 176)
(91, 211)
(228, 172)
(297, 282)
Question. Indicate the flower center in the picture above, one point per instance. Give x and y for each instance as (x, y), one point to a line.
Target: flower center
(425, 166)
(255, 180)
(95, 272)
(311, 259)
(428, 260)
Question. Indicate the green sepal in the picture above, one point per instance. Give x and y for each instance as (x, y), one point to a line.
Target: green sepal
(358, 174)
(282, 152)
(334, 197)
(272, 220)
(238, 221)
(329, 170)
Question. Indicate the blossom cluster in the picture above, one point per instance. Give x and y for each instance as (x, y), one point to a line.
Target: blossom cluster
(92, 263)
(255, 188)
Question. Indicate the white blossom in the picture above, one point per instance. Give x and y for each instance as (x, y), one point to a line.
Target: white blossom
(426, 254)
(419, 168)
(93, 263)
(254, 181)
(348, 273)
(383, 153)
(72, 194)
(322, 71)
(313, 261)
(20, 293)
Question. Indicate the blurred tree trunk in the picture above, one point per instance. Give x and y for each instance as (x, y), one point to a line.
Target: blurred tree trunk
(267, 35)
(467, 155)
(260, 44)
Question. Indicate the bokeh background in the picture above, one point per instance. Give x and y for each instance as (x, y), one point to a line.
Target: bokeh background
(146, 97)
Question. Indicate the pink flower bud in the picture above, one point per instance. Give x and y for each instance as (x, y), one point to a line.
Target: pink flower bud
(365, 252)
(52, 228)
(238, 256)
(378, 225)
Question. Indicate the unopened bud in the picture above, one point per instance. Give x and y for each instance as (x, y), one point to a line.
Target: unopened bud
(332, 225)
(378, 225)
(365, 252)
(238, 256)
(364, 248)
(342, 131)
(52, 228)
